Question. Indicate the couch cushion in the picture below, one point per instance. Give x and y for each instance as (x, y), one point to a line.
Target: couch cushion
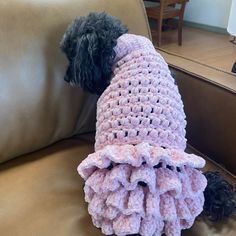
(42, 194)
(37, 106)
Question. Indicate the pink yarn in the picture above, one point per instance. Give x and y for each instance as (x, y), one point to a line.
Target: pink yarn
(140, 180)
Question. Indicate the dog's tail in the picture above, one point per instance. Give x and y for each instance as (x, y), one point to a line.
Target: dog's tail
(220, 197)
(88, 43)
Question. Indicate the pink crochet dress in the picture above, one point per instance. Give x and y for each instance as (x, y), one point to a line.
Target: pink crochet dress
(140, 180)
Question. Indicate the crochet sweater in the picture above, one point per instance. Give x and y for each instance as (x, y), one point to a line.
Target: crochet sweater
(140, 180)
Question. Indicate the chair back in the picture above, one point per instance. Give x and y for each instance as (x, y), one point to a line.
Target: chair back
(170, 2)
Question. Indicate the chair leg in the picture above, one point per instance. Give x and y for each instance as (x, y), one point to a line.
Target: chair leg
(181, 19)
(159, 31)
(180, 27)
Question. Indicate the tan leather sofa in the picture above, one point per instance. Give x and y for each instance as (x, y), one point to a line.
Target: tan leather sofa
(40, 191)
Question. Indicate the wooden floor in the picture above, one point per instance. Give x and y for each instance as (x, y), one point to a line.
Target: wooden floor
(213, 49)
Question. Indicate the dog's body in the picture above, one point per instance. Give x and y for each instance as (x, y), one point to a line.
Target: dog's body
(139, 180)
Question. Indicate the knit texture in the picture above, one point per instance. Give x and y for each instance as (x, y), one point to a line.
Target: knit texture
(142, 102)
(140, 180)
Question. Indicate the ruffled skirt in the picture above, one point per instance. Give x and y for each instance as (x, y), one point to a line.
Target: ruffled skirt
(143, 189)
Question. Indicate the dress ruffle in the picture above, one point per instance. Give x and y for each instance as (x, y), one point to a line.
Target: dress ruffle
(136, 156)
(143, 189)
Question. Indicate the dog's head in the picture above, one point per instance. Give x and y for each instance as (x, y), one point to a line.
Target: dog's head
(88, 44)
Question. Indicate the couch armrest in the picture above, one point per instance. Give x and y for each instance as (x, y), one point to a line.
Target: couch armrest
(209, 97)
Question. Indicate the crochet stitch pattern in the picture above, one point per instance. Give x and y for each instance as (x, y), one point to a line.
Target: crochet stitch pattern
(139, 180)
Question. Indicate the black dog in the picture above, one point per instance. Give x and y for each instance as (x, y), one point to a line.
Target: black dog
(88, 44)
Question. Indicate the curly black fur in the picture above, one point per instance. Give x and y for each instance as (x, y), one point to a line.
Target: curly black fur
(88, 43)
(234, 67)
(220, 200)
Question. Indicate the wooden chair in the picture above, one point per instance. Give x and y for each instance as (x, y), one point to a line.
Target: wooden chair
(167, 10)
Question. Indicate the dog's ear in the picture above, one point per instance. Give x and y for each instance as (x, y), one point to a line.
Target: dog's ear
(87, 64)
(69, 40)
(89, 45)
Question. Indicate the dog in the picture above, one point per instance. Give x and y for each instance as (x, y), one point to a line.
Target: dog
(139, 180)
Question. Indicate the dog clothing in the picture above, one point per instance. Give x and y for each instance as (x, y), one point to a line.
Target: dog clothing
(140, 180)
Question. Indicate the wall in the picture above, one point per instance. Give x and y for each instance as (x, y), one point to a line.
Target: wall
(208, 12)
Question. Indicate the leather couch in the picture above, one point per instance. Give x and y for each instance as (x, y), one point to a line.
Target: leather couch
(47, 127)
